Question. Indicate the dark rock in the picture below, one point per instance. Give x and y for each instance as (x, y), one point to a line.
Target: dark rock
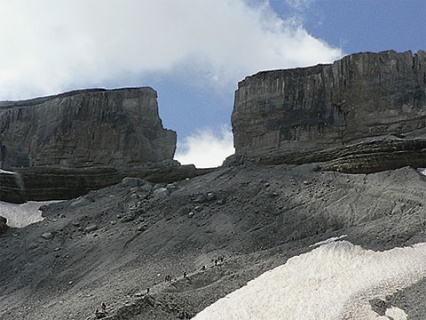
(128, 218)
(316, 114)
(142, 228)
(3, 224)
(133, 182)
(378, 306)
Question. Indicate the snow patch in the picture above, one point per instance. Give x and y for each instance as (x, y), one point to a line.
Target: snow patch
(7, 172)
(21, 215)
(333, 281)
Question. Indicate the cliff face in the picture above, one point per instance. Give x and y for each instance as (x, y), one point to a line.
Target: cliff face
(116, 128)
(63, 146)
(289, 116)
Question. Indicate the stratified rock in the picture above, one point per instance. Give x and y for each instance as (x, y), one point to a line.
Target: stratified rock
(310, 114)
(86, 128)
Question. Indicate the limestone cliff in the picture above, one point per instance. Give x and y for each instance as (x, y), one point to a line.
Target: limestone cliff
(308, 114)
(63, 146)
(86, 128)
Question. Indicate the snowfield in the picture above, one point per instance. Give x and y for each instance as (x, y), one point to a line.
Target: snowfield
(21, 215)
(333, 281)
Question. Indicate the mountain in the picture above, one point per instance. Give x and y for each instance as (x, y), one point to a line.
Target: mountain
(302, 223)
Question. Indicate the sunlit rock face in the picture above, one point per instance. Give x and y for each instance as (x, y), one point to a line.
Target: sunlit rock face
(289, 116)
(117, 128)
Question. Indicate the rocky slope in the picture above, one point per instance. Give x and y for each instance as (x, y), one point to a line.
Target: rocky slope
(114, 243)
(313, 114)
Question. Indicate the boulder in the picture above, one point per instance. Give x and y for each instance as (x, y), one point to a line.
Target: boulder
(312, 114)
(47, 236)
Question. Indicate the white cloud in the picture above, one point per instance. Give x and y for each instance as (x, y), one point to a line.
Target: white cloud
(206, 148)
(299, 4)
(50, 46)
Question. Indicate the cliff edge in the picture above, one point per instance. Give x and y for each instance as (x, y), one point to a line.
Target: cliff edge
(371, 104)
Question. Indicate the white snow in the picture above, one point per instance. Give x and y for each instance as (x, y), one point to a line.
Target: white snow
(333, 281)
(422, 171)
(7, 172)
(329, 240)
(21, 215)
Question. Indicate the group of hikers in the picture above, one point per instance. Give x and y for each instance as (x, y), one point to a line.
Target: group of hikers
(168, 278)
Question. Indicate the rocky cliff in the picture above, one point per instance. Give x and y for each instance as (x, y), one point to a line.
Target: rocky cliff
(117, 128)
(317, 113)
(63, 146)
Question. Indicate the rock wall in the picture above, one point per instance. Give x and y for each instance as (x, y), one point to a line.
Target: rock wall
(115, 128)
(290, 116)
(63, 146)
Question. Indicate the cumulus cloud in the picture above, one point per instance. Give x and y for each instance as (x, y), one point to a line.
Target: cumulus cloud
(50, 46)
(206, 148)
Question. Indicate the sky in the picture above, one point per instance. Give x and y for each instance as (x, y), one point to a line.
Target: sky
(192, 52)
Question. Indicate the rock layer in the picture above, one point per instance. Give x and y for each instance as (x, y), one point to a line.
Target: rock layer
(117, 128)
(293, 116)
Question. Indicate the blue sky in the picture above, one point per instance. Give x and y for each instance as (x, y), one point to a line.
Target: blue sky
(192, 52)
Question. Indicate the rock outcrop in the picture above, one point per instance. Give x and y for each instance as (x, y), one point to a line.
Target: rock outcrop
(3, 224)
(329, 112)
(63, 146)
(117, 128)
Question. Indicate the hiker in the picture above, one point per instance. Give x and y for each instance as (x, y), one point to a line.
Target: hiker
(99, 315)
(103, 307)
